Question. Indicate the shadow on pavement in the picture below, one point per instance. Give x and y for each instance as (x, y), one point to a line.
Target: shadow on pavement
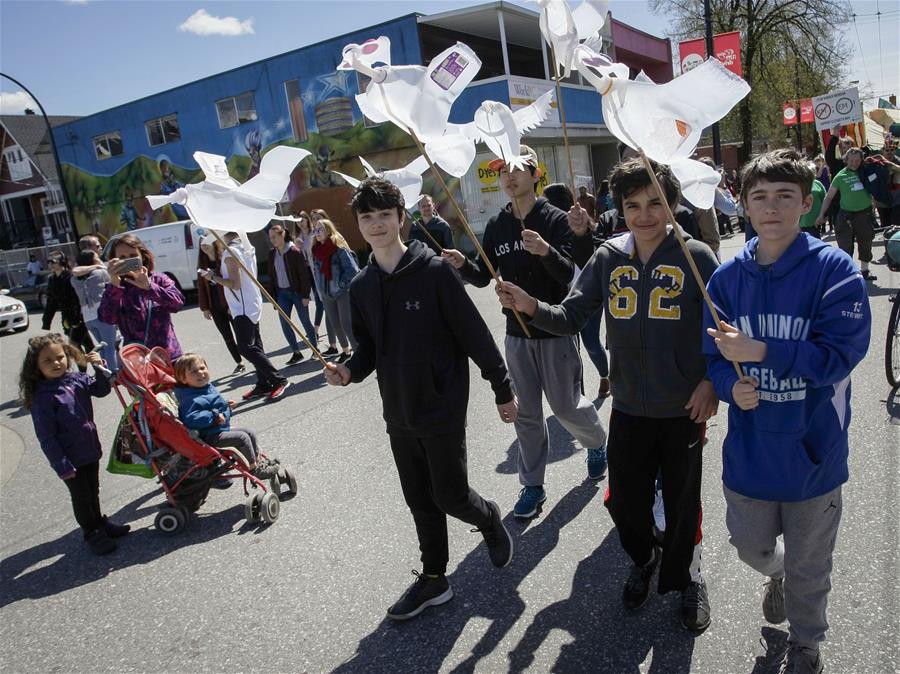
(13, 409)
(423, 643)
(562, 446)
(65, 563)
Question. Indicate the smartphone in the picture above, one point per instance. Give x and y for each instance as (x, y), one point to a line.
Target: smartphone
(128, 265)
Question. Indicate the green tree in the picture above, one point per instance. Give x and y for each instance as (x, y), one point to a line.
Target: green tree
(790, 49)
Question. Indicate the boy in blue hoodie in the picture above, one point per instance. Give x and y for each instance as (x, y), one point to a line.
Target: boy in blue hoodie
(796, 317)
(203, 409)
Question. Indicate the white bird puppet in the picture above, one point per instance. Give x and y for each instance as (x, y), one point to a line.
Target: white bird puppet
(407, 179)
(666, 120)
(564, 28)
(417, 98)
(501, 129)
(223, 204)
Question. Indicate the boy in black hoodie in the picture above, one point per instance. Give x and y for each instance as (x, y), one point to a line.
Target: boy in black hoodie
(529, 242)
(416, 327)
(661, 395)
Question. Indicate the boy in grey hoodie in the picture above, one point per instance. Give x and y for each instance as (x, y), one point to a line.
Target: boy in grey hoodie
(661, 398)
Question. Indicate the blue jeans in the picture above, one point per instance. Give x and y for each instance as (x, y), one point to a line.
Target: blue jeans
(590, 337)
(287, 299)
(104, 332)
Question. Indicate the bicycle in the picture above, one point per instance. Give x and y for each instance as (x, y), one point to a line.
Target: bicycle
(892, 343)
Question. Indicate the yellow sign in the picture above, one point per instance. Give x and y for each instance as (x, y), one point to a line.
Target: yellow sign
(489, 177)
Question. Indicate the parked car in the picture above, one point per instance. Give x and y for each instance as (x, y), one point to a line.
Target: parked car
(34, 295)
(174, 247)
(13, 314)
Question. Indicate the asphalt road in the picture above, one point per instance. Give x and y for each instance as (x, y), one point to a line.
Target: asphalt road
(309, 593)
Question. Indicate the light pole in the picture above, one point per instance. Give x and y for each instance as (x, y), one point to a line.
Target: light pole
(710, 53)
(62, 183)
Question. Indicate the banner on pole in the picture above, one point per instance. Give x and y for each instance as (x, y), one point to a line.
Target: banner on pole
(806, 111)
(790, 114)
(726, 45)
(837, 107)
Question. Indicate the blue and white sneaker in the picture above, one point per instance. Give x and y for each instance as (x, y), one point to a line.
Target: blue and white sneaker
(596, 463)
(530, 498)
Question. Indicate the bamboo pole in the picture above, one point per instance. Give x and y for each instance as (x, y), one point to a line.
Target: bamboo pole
(421, 225)
(271, 299)
(687, 253)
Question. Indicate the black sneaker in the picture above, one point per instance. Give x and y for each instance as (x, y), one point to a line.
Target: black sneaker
(695, 607)
(239, 368)
(497, 538)
(296, 358)
(100, 543)
(869, 276)
(329, 352)
(343, 358)
(114, 530)
(799, 660)
(424, 592)
(637, 587)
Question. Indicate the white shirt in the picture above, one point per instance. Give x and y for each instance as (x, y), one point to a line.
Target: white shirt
(247, 300)
(33, 268)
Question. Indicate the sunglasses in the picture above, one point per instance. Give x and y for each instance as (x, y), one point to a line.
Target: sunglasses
(319, 230)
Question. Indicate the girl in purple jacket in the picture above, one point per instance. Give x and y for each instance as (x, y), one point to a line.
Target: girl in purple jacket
(60, 403)
(139, 301)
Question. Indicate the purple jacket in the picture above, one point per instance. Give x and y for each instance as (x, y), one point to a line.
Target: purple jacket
(63, 419)
(127, 307)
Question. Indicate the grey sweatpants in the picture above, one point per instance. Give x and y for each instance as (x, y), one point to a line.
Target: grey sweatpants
(241, 439)
(803, 557)
(550, 367)
(338, 312)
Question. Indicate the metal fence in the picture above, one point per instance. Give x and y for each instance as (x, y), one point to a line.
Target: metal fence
(13, 263)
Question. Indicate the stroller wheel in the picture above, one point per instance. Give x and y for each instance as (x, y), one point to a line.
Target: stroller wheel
(170, 521)
(269, 508)
(275, 485)
(285, 476)
(252, 508)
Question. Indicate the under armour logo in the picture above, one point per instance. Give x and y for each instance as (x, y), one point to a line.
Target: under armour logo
(410, 306)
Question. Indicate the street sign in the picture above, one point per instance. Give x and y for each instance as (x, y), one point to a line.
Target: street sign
(837, 107)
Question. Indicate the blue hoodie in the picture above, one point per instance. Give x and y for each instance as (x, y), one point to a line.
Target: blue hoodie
(811, 309)
(198, 407)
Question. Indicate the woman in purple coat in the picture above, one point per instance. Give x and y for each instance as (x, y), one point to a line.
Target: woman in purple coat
(140, 302)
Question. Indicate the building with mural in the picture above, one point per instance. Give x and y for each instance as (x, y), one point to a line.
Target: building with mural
(112, 159)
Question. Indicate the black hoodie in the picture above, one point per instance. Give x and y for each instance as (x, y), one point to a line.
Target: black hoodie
(417, 328)
(545, 277)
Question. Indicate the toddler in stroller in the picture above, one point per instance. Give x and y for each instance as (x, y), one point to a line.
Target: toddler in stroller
(203, 409)
(186, 462)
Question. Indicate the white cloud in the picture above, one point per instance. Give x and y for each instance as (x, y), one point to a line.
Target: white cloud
(15, 102)
(203, 23)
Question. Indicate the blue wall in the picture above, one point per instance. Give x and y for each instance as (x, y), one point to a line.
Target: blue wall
(194, 103)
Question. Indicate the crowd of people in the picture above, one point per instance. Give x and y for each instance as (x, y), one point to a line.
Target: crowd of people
(562, 264)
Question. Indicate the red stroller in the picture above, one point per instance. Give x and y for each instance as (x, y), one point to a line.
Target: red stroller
(184, 465)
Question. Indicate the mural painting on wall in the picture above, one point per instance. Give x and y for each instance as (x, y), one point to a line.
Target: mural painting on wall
(323, 121)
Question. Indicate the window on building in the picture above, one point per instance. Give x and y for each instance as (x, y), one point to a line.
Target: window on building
(163, 130)
(108, 145)
(17, 161)
(236, 110)
(295, 107)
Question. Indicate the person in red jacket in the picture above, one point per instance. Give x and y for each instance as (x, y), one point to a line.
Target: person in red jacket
(290, 282)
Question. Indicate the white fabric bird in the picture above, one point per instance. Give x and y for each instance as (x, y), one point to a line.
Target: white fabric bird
(564, 28)
(221, 203)
(407, 179)
(418, 98)
(501, 129)
(666, 120)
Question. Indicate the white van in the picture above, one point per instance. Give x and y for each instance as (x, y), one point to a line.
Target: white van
(175, 246)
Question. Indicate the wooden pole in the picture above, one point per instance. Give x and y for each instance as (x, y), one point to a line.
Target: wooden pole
(684, 248)
(266, 294)
(562, 118)
(421, 225)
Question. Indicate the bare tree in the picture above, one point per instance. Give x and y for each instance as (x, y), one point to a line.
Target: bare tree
(789, 49)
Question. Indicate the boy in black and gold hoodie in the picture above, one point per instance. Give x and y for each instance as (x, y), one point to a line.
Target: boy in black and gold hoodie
(417, 328)
(661, 396)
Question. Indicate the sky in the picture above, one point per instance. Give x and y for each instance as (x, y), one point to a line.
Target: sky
(83, 56)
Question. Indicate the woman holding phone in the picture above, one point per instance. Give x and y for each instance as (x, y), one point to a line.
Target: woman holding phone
(138, 300)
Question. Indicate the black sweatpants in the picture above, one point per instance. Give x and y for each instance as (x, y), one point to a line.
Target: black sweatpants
(435, 484)
(84, 489)
(250, 346)
(638, 448)
(223, 325)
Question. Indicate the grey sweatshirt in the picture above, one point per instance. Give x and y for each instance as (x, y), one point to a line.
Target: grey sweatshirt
(654, 321)
(89, 287)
